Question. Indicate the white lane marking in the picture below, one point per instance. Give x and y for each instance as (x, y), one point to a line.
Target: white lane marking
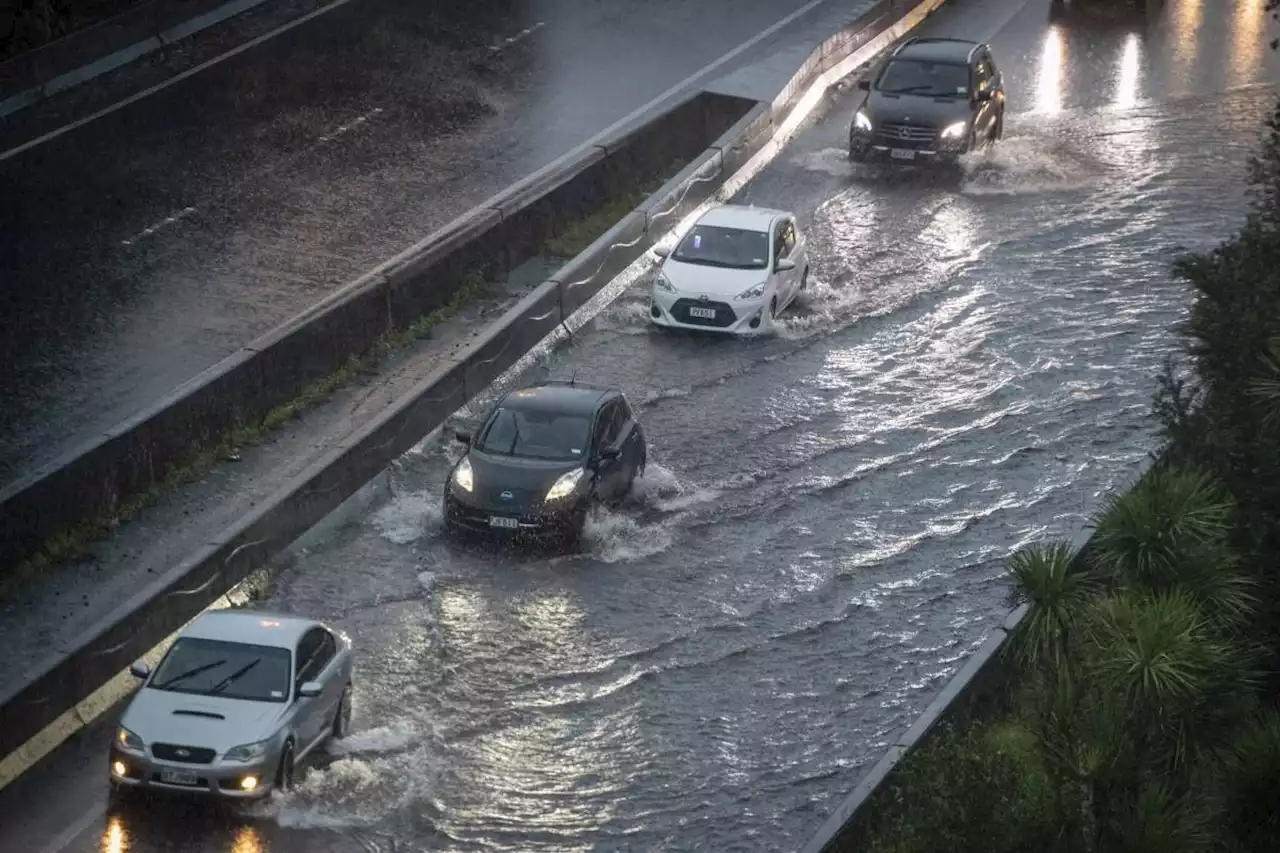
(507, 42)
(163, 223)
(132, 99)
(352, 125)
(74, 831)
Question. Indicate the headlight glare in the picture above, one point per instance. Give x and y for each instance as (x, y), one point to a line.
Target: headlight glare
(862, 121)
(462, 476)
(246, 752)
(752, 293)
(662, 283)
(564, 486)
(128, 741)
(955, 131)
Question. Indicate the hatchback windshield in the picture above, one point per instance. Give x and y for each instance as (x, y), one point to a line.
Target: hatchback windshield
(217, 668)
(534, 434)
(714, 246)
(931, 79)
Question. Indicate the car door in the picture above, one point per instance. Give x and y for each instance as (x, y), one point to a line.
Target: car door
(309, 712)
(983, 80)
(327, 671)
(599, 441)
(631, 439)
(784, 249)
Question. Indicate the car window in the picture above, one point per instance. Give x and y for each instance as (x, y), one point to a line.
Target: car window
(617, 420)
(324, 653)
(713, 246)
(219, 668)
(920, 77)
(982, 74)
(535, 434)
(306, 652)
(789, 236)
(603, 427)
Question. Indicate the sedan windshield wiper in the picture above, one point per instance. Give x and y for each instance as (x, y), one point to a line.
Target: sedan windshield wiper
(226, 682)
(182, 676)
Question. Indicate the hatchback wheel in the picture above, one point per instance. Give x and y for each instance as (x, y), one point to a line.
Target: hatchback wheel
(342, 720)
(773, 309)
(284, 773)
(804, 279)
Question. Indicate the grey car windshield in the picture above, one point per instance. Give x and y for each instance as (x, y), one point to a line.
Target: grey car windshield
(715, 246)
(930, 79)
(534, 434)
(219, 668)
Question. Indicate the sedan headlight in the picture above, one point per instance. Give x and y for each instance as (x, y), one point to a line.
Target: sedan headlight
(564, 486)
(129, 742)
(462, 476)
(862, 121)
(662, 283)
(955, 131)
(247, 752)
(752, 293)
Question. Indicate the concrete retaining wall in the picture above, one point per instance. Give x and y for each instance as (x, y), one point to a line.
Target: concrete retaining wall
(96, 480)
(495, 238)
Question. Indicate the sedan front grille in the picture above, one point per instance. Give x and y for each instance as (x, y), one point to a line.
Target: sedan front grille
(724, 315)
(906, 135)
(183, 754)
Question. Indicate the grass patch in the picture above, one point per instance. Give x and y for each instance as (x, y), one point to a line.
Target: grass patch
(585, 231)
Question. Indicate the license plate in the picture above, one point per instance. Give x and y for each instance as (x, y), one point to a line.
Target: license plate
(177, 777)
(704, 313)
(499, 521)
(902, 154)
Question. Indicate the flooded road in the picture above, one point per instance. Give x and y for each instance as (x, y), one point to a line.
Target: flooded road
(818, 541)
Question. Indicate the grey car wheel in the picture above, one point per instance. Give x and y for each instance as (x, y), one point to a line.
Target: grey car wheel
(284, 773)
(342, 719)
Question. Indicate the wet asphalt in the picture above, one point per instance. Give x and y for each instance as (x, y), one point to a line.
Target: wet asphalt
(145, 246)
(818, 541)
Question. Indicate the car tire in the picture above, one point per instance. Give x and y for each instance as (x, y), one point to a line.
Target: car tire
(998, 133)
(804, 279)
(857, 155)
(342, 719)
(773, 309)
(284, 772)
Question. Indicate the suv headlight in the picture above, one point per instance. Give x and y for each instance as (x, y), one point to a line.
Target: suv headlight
(129, 742)
(462, 476)
(662, 283)
(752, 293)
(862, 121)
(247, 752)
(955, 131)
(564, 486)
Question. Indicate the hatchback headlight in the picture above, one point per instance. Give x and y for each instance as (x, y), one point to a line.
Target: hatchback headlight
(247, 752)
(663, 283)
(462, 476)
(752, 293)
(129, 742)
(564, 486)
(862, 121)
(955, 131)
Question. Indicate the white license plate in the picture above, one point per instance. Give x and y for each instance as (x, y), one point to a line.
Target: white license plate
(499, 521)
(704, 313)
(177, 777)
(902, 154)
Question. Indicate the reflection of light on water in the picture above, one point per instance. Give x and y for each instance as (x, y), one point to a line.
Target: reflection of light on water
(247, 841)
(1246, 40)
(956, 225)
(113, 839)
(1187, 17)
(1128, 72)
(552, 619)
(1049, 85)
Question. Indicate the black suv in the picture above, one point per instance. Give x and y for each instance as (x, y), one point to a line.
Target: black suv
(934, 99)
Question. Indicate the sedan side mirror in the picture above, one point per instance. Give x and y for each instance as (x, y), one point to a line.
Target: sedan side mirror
(462, 436)
(864, 84)
(662, 251)
(309, 690)
(138, 669)
(784, 264)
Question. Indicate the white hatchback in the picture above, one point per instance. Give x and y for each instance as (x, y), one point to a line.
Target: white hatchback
(736, 269)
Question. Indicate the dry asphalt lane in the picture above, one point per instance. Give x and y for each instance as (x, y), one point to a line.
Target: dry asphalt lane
(141, 248)
(818, 541)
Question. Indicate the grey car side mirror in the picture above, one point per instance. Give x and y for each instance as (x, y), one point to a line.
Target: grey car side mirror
(309, 690)
(662, 251)
(138, 669)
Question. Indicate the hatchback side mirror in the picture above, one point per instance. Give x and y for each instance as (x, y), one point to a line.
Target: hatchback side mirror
(138, 669)
(784, 264)
(983, 96)
(462, 436)
(309, 690)
(662, 251)
(864, 84)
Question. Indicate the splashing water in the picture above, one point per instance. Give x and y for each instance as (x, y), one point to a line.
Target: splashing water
(407, 518)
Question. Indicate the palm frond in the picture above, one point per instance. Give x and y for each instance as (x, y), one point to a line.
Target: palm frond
(1057, 590)
(1265, 387)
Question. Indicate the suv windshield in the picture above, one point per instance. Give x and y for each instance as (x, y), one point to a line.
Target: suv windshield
(931, 79)
(532, 434)
(217, 668)
(714, 246)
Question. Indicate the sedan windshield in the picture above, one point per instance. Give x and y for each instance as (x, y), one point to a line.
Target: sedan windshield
(534, 434)
(931, 79)
(217, 668)
(713, 246)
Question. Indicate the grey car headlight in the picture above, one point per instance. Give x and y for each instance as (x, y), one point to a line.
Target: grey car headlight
(129, 742)
(247, 752)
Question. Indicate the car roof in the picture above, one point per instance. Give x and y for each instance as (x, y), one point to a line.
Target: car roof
(258, 627)
(568, 397)
(938, 49)
(741, 216)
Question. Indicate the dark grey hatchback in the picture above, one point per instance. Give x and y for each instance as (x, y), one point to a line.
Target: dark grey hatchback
(540, 459)
(933, 100)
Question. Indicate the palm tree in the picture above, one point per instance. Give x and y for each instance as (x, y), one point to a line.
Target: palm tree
(1054, 584)
(1252, 780)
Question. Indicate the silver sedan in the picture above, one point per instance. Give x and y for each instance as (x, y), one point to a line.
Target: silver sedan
(236, 702)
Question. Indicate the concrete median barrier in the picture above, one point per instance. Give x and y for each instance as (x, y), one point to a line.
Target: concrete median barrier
(707, 136)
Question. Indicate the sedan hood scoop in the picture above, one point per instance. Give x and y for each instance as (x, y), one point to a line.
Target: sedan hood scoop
(210, 715)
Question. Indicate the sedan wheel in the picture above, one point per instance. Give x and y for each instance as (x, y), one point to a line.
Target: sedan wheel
(284, 774)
